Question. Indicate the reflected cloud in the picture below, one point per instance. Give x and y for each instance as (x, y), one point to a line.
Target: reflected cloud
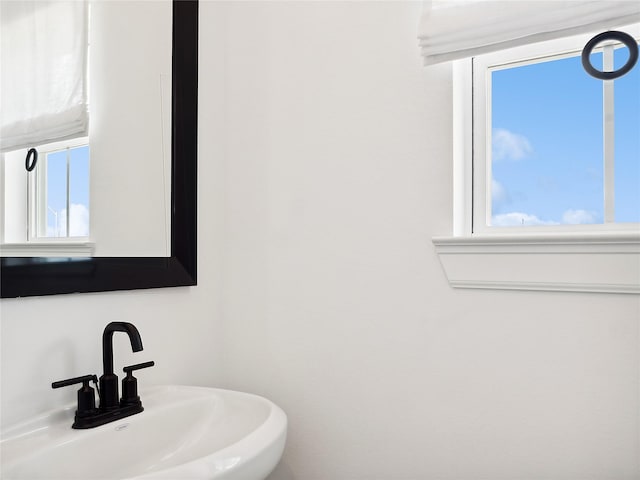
(78, 218)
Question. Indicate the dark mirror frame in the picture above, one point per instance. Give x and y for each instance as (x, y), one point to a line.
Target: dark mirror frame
(30, 276)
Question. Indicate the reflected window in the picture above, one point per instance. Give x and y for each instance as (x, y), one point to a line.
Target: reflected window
(55, 194)
(61, 193)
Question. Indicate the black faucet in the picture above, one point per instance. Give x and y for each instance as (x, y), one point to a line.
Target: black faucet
(110, 409)
(109, 381)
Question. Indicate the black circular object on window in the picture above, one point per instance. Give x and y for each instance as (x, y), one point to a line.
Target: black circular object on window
(625, 38)
(33, 155)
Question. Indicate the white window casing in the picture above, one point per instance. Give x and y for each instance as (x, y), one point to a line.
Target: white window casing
(66, 248)
(594, 263)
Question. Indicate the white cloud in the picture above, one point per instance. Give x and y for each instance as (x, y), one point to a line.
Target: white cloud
(499, 194)
(78, 218)
(576, 217)
(518, 219)
(571, 217)
(506, 145)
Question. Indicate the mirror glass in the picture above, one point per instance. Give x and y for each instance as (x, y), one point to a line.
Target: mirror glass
(130, 134)
(57, 274)
(127, 209)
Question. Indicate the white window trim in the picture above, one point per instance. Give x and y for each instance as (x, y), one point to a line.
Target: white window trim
(599, 263)
(572, 258)
(66, 248)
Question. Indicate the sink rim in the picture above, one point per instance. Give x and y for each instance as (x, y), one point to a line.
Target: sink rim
(270, 433)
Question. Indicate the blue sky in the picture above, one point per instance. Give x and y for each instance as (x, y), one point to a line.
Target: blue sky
(547, 143)
(79, 192)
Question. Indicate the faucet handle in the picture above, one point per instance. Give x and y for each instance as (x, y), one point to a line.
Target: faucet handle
(72, 381)
(130, 384)
(137, 366)
(86, 394)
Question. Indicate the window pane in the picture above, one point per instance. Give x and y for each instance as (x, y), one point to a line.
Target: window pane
(546, 159)
(79, 192)
(56, 195)
(627, 141)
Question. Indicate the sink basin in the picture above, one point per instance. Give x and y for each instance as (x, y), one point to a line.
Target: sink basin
(183, 433)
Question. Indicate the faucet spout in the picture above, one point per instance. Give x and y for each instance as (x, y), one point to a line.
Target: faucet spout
(109, 381)
(107, 342)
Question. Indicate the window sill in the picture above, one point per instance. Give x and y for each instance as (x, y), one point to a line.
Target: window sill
(603, 263)
(47, 249)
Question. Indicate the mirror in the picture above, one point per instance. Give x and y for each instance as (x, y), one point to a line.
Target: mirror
(22, 276)
(109, 192)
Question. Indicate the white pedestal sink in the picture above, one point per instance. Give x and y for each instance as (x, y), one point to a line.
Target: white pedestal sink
(183, 433)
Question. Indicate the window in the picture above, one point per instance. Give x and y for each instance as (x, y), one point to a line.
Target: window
(50, 203)
(554, 148)
(546, 172)
(60, 192)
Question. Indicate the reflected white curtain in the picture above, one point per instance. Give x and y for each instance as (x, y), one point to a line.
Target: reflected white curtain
(454, 29)
(43, 72)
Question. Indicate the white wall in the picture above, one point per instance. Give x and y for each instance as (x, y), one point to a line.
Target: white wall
(324, 172)
(337, 173)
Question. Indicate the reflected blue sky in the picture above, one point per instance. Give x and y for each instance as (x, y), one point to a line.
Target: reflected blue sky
(78, 192)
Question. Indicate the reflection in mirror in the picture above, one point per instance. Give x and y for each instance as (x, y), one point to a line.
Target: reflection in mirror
(130, 103)
(118, 203)
(46, 275)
